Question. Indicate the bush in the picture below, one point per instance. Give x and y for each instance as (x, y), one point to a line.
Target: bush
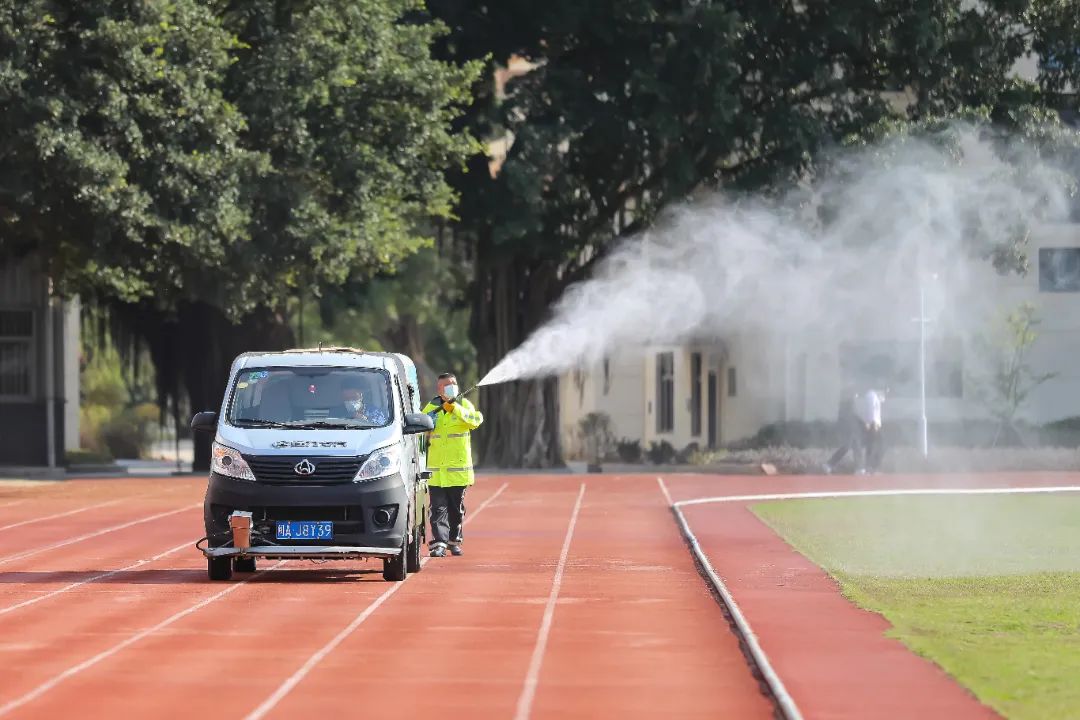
(87, 457)
(594, 431)
(128, 433)
(629, 451)
(973, 433)
(689, 452)
(661, 453)
(795, 434)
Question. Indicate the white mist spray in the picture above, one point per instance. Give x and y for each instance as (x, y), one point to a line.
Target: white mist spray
(899, 212)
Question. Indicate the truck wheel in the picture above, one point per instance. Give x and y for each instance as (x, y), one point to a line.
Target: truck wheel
(244, 565)
(219, 568)
(414, 550)
(396, 569)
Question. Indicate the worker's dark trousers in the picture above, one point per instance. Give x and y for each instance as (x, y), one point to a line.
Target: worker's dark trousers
(447, 515)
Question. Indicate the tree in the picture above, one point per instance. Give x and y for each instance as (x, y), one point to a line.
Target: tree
(355, 117)
(122, 160)
(633, 106)
(192, 165)
(1008, 378)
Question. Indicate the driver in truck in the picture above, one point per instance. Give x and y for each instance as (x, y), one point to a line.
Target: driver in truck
(352, 397)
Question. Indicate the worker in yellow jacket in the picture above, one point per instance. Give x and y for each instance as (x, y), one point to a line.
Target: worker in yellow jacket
(450, 462)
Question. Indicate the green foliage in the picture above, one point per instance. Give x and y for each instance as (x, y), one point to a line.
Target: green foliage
(595, 435)
(87, 457)
(419, 309)
(633, 107)
(115, 418)
(181, 150)
(355, 117)
(660, 453)
(122, 159)
(1007, 378)
(628, 451)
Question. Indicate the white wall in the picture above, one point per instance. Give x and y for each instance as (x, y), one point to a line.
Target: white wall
(69, 364)
(620, 396)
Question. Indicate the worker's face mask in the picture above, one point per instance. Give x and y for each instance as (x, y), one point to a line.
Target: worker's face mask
(450, 392)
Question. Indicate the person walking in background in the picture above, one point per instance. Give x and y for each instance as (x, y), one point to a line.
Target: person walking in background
(451, 464)
(850, 432)
(868, 411)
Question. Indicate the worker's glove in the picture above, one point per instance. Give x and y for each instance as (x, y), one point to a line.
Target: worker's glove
(448, 407)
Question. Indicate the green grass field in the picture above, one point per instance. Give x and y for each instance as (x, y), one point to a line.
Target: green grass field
(988, 587)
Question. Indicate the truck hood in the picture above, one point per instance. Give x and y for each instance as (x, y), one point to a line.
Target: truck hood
(324, 443)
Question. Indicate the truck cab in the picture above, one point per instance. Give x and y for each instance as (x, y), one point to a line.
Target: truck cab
(317, 454)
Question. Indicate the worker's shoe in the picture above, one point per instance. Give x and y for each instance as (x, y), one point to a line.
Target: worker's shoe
(456, 550)
(438, 551)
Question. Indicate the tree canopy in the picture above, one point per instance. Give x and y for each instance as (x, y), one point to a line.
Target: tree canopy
(633, 106)
(225, 153)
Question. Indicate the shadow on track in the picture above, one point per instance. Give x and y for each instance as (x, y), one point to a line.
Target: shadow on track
(187, 576)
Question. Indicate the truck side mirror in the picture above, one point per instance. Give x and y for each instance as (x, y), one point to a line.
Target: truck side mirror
(416, 423)
(205, 422)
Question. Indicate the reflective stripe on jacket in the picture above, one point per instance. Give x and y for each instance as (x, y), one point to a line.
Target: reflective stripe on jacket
(450, 447)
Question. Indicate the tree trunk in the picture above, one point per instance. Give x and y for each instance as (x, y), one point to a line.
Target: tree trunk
(521, 419)
(193, 349)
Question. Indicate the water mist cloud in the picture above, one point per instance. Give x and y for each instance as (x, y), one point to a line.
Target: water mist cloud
(843, 256)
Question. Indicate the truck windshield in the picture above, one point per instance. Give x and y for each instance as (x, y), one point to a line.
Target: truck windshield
(305, 398)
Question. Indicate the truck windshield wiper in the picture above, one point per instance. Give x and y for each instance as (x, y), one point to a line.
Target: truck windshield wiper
(259, 422)
(322, 424)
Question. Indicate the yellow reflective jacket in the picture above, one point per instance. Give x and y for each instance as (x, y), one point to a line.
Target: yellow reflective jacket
(450, 451)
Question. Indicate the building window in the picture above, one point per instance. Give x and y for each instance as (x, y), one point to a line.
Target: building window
(695, 394)
(1059, 269)
(16, 353)
(731, 382)
(665, 392)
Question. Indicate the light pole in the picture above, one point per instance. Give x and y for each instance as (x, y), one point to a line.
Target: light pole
(924, 430)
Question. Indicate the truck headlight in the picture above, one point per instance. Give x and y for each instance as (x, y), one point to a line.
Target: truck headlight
(226, 461)
(381, 463)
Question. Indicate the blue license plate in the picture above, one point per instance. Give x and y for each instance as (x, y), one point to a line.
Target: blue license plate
(305, 530)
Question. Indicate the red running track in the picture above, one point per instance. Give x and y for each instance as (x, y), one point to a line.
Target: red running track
(577, 598)
(832, 657)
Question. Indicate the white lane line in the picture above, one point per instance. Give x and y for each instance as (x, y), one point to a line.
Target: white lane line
(58, 515)
(96, 533)
(783, 698)
(293, 680)
(787, 705)
(878, 493)
(532, 677)
(95, 578)
(106, 654)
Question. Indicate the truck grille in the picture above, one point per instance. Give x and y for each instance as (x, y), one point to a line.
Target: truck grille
(282, 470)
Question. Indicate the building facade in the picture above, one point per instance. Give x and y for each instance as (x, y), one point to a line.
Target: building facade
(39, 368)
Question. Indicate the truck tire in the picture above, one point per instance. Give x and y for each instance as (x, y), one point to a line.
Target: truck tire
(219, 568)
(396, 569)
(244, 565)
(415, 546)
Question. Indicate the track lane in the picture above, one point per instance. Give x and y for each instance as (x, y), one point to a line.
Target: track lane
(841, 664)
(458, 641)
(193, 663)
(636, 633)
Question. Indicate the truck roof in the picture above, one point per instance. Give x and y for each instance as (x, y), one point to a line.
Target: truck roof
(308, 357)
